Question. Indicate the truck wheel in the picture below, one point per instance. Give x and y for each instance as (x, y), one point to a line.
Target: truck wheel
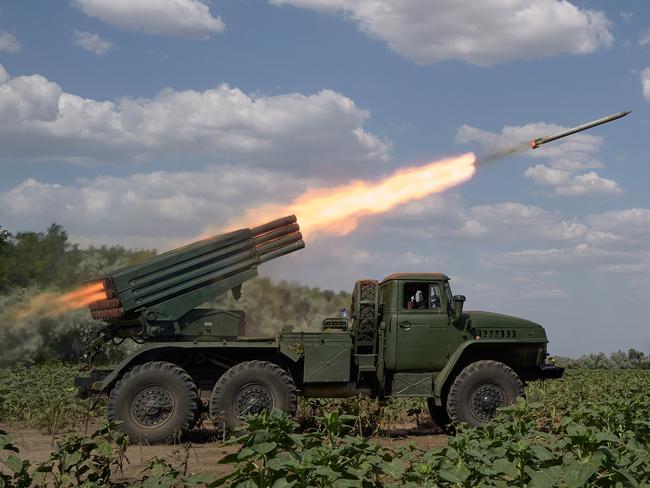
(249, 388)
(438, 414)
(155, 401)
(480, 389)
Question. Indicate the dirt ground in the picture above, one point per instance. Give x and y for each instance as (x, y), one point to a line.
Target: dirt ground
(202, 450)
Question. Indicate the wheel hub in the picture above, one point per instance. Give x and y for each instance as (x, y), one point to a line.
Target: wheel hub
(252, 399)
(152, 406)
(485, 400)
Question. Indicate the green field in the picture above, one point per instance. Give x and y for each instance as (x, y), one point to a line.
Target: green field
(590, 429)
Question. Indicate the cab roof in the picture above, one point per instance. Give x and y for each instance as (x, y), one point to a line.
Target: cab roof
(417, 276)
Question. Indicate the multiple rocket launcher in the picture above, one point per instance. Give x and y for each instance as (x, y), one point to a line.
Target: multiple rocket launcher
(166, 286)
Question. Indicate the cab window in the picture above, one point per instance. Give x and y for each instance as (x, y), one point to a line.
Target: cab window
(422, 296)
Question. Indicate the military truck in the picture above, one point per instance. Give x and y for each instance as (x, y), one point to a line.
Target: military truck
(407, 336)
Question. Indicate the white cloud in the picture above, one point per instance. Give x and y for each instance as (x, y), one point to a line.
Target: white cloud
(548, 176)
(545, 258)
(178, 18)
(589, 184)
(482, 33)
(93, 43)
(512, 221)
(159, 209)
(566, 184)
(645, 83)
(627, 227)
(8, 42)
(644, 38)
(221, 125)
(626, 16)
(565, 158)
(445, 218)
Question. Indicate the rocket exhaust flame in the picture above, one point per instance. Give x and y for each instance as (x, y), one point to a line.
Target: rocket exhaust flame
(51, 304)
(338, 210)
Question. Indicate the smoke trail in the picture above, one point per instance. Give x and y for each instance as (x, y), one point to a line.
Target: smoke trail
(499, 154)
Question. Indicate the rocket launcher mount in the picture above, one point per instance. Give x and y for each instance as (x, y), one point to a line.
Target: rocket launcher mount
(166, 288)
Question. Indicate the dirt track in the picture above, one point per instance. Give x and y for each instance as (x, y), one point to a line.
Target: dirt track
(201, 453)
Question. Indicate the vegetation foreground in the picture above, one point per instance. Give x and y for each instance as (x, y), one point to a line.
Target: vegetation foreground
(590, 429)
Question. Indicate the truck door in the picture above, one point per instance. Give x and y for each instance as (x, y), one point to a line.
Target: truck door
(422, 327)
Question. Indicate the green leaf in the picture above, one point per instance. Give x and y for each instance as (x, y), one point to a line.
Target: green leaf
(455, 474)
(14, 463)
(264, 447)
(541, 452)
(579, 473)
(283, 483)
(245, 453)
(546, 477)
(506, 467)
(199, 479)
(394, 468)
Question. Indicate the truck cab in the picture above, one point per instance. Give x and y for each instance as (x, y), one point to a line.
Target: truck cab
(418, 312)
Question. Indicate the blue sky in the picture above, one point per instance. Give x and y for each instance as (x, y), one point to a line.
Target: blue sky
(143, 123)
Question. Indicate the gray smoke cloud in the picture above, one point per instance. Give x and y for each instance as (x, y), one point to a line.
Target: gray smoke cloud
(25, 339)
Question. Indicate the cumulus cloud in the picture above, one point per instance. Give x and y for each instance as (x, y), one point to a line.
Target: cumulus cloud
(548, 258)
(8, 42)
(566, 184)
(222, 124)
(630, 227)
(93, 43)
(155, 210)
(644, 38)
(566, 159)
(645, 83)
(177, 18)
(446, 218)
(482, 33)
(626, 16)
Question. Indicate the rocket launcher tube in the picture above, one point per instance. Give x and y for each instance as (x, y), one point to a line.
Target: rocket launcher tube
(243, 258)
(203, 279)
(169, 285)
(274, 224)
(282, 231)
(270, 246)
(282, 251)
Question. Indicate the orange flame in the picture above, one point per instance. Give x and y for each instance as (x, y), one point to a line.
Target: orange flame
(50, 304)
(338, 210)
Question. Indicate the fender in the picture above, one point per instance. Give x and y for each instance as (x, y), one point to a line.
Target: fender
(446, 374)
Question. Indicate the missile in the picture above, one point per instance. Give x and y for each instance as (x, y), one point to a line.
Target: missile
(535, 143)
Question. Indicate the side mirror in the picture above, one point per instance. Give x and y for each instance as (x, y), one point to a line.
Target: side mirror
(459, 300)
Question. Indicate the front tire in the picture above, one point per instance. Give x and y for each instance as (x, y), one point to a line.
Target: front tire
(155, 402)
(480, 389)
(250, 388)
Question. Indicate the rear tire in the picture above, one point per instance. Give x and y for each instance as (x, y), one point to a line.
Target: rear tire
(155, 402)
(480, 389)
(250, 388)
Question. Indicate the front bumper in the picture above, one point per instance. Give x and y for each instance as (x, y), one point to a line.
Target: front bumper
(550, 371)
